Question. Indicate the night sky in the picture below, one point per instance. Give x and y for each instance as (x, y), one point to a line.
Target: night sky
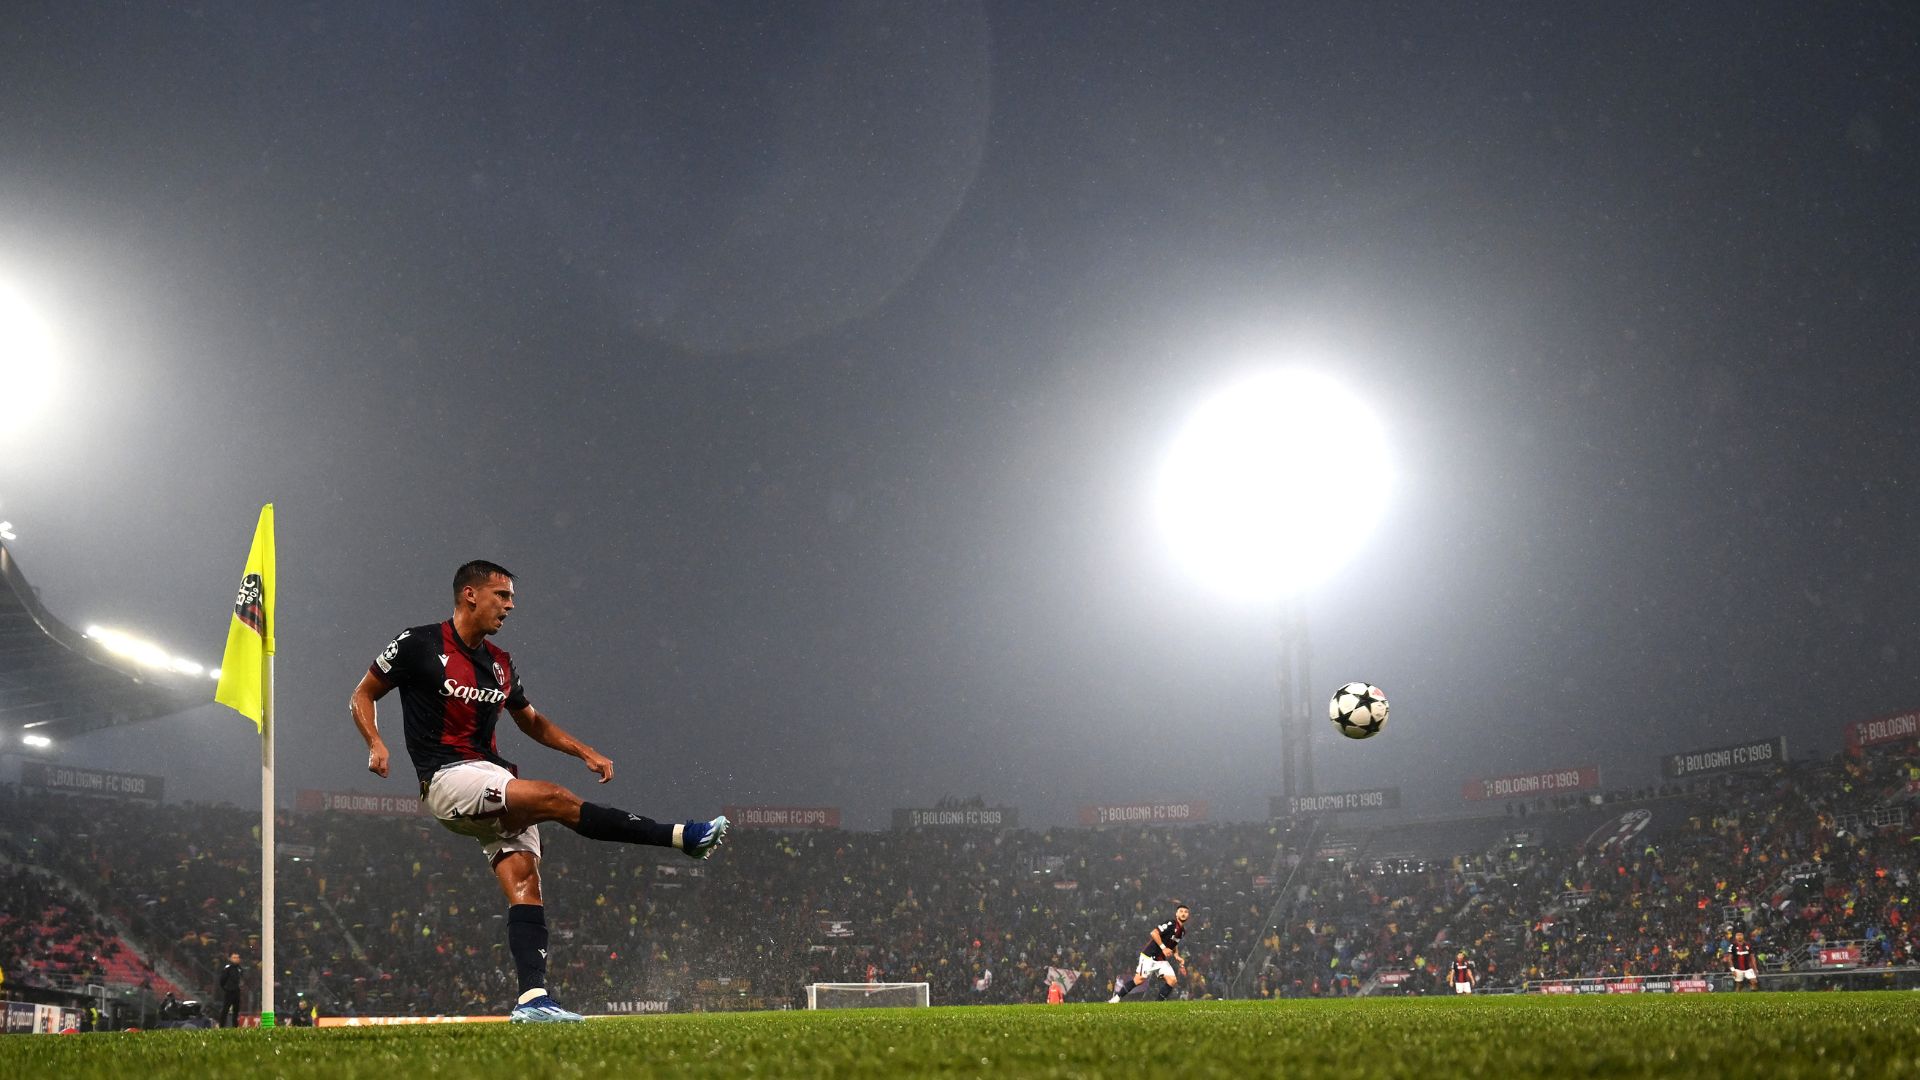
(810, 365)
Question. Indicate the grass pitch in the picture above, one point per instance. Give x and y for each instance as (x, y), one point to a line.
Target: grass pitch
(1865, 1034)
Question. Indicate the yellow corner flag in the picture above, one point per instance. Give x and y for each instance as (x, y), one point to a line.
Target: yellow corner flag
(243, 670)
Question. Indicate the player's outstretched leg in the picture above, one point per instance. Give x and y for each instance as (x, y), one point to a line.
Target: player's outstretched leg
(532, 801)
(697, 838)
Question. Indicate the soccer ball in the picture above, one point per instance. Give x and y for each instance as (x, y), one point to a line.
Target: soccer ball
(1359, 710)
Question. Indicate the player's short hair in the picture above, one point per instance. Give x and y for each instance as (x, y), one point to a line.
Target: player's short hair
(477, 572)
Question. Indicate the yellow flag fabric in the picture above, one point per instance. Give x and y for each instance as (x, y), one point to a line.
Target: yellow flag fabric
(243, 670)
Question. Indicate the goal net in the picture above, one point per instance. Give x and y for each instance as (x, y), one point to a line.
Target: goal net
(874, 995)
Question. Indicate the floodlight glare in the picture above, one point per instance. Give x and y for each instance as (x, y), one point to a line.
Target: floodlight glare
(1272, 483)
(26, 356)
(40, 742)
(144, 652)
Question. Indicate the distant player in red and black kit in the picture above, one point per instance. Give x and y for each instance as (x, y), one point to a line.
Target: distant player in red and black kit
(452, 683)
(1160, 954)
(1463, 976)
(1740, 956)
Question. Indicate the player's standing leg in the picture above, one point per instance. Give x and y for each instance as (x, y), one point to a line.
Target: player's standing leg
(519, 874)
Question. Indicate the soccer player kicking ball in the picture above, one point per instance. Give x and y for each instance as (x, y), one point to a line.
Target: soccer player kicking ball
(1462, 976)
(1160, 953)
(452, 682)
(1740, 955)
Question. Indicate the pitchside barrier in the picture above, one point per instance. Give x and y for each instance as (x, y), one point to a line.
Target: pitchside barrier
(1865, 978)
(819, 996)
(1869, 978)
(30, 1018)
(382, 1021)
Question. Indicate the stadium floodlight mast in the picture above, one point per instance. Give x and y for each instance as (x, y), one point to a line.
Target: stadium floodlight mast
(1268, 487)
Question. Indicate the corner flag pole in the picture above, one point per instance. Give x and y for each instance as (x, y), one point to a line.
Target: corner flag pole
(267, 908)
(246, 687)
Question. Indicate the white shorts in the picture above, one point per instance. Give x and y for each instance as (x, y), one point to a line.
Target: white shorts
(1463, 988)
(469, 798)
(1749, 975)
(1149, 967)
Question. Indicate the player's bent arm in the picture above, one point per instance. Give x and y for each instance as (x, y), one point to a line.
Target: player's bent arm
(1164, 951)
(547, 733)
(366, 717)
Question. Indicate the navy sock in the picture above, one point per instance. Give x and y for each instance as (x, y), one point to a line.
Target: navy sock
(608, 823)
(527, 941)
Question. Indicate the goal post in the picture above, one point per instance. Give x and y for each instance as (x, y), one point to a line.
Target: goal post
(868, 995)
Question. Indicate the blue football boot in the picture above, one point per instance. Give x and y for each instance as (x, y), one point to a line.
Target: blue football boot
(543, 1010)
(699, 838)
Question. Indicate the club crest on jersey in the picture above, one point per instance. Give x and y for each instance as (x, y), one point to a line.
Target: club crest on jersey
(250, 605)
(499, 675)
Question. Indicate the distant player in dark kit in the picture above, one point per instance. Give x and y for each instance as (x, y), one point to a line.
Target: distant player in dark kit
(452, 683)
(1740, 956)
(230, 991)
(1159, 955)
(1462, 976)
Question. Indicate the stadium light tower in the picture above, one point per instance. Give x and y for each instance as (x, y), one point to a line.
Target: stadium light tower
(1268, 487)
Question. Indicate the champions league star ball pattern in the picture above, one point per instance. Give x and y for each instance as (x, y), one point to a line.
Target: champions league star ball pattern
(1359, 710)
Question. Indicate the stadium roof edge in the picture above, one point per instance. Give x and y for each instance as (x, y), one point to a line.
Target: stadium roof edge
(60, 683)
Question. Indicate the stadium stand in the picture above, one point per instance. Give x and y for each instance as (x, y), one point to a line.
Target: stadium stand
(394, 916)
(56, 682)
(49, 938)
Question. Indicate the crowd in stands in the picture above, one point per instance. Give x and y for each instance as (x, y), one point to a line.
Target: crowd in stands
(49, 937)
(1647, 887)
(386, 915)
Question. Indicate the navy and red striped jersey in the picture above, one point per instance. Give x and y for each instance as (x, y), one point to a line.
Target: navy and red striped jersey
(450, 695)
(1171, 932)
(1742, 956)
(1462, 972)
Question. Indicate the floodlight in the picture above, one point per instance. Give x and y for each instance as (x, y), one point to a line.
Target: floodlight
(144, 652)
(39, 742)
(26, 356)
(1272, 483)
